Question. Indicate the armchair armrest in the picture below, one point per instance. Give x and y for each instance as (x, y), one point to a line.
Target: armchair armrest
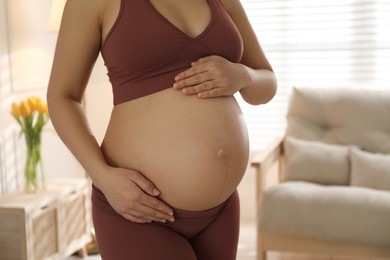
(264, 161)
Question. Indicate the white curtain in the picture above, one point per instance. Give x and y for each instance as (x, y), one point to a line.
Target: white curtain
(317, 43)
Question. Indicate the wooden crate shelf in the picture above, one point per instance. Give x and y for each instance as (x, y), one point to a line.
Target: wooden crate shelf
(48, 225)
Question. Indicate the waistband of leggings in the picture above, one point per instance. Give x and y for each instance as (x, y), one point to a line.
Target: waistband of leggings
(212, 211)
(180, 212)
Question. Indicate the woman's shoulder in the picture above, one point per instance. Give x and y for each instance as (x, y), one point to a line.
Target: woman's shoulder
(230, 4)
(89, 8)
(97, 11)
(235, 9)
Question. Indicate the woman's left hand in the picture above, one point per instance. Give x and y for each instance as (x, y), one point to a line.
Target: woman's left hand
(212, 76)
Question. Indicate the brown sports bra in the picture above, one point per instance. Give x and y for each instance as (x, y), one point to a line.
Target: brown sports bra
(143, 51)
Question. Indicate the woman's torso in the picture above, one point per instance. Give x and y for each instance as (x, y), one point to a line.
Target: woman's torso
(194, 150)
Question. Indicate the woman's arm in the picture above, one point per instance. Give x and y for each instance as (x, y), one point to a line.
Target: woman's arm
(262, 84)
(215, 76)
(76, 52)
(78, 45)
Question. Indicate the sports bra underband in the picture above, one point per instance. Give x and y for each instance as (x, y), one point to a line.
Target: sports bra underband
(143, 51)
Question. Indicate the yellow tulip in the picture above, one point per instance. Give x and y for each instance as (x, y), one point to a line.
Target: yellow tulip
(25, 109)
(33, 103)
(46, 110)
(15, 110)
(31, 114)
(39, 106)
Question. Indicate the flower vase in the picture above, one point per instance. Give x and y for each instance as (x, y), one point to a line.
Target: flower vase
(32, 115)
(33, 171)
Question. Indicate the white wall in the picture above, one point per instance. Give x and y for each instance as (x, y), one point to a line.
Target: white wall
(26, 53)
(99, 100)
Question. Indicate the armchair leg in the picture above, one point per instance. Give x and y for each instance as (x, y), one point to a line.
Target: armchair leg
(262, 255)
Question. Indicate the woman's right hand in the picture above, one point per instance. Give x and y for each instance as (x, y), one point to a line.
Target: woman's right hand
(133, 196)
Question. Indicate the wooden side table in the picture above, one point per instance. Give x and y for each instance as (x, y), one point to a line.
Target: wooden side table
(48, 225)
(268, 165)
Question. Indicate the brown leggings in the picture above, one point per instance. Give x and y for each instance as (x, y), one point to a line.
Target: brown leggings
(195, 235)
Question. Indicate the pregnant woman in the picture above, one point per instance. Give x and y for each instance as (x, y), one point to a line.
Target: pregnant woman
(176, 147)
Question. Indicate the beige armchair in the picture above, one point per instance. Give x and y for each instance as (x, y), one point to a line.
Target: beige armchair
(334, 169)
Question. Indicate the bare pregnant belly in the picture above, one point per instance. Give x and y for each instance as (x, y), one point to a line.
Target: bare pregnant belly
(194, 150)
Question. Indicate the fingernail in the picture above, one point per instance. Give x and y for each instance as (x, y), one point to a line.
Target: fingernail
(156, 192)
(172, 219)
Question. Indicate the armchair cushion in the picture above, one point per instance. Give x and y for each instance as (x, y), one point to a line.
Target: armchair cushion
(358, 117)
(316, 162)
(327, 213)
(371, 170)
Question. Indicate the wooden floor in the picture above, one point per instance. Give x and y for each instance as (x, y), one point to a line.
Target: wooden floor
(290, 256)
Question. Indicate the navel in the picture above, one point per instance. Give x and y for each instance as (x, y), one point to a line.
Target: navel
(221, 153)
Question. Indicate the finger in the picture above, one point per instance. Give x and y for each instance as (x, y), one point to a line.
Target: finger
(141, 217)
(194, 85)
(135, 219)
(145, 184)
(148, 198)
(205, 86)
(189, 82)
(145, 212)
(204, 60)
(157, 208)
(191, 72)
(216, 92)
